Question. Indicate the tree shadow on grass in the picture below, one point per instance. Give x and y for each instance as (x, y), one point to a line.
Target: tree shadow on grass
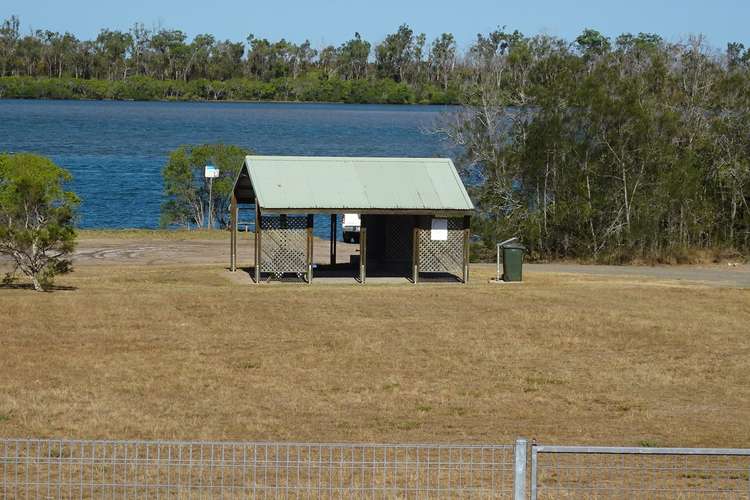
(29, 286)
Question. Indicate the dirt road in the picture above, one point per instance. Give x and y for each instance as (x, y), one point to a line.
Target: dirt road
(715, 275)
(147, 251)
(157, 251)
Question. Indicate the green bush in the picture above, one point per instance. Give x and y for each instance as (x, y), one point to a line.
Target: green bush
(310, 87)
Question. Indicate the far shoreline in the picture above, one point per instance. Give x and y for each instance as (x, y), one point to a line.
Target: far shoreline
(301, 89)
(229, 101)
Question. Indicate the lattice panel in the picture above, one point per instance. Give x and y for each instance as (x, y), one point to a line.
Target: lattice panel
(283, 245)
(436, 256)
(398, 239)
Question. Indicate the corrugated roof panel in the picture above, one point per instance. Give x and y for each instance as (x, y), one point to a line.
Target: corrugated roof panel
(285, 182)
(444, 180)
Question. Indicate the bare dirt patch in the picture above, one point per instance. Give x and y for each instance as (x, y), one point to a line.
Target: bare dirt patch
(142, 247)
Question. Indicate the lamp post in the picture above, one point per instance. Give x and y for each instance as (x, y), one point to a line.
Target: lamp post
(211, 173)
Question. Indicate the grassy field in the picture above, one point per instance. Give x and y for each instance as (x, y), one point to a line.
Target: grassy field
(184, 352)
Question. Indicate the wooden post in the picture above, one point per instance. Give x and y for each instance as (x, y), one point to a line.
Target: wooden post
(309, 249)
(467, 228)
(333, 239)
(415, 252)
(258, 238)
(362, 252)
(233, 231)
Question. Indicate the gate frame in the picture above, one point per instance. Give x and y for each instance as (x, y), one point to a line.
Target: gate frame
(625, 450)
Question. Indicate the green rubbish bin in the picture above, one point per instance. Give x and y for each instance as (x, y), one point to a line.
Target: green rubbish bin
(513, 261)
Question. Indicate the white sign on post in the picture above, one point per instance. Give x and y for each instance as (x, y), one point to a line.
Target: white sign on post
(439, 230)
(211, 172)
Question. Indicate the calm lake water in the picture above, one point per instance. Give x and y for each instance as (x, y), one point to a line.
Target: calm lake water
(116, 150)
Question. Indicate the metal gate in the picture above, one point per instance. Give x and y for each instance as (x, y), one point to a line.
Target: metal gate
(653, 473)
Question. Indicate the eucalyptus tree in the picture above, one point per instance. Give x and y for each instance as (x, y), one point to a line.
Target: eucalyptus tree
(139, 50)
(442, 59)
(9, 36)
(303, 56)
(418, 71)
(395, 54)
(199, 59)
(226, 60)
(352, 58)
(29, 55)
(83, 59)
(328, 60)
(259, 57)
(58, 52)
(171, 55)
(111, 48)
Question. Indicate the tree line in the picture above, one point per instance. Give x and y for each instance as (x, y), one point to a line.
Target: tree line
(404, 67)
(610, 150)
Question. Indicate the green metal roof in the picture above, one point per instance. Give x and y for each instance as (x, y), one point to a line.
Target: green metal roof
(354, 184)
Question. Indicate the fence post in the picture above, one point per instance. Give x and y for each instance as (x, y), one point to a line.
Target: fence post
(533, 472)
(519, 481)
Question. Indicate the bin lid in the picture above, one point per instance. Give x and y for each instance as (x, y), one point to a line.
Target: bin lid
(514, 245)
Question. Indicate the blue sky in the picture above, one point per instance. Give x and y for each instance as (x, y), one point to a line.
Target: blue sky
(333, 21)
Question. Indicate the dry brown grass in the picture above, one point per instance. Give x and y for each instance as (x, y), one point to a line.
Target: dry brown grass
(184, 352)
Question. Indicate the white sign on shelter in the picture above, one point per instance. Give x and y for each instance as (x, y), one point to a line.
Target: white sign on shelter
(439, 230)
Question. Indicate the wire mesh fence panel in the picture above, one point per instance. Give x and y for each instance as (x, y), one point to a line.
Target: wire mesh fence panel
(653, 473)
(140, 469)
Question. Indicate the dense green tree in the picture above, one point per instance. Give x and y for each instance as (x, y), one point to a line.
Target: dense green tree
(186, 190)
(36, 217)
(199, 57)
(395, 54)
(259, 57)
(110, 48)
(171, 55)
(225, 61)
(352, 58)
(592, 43)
